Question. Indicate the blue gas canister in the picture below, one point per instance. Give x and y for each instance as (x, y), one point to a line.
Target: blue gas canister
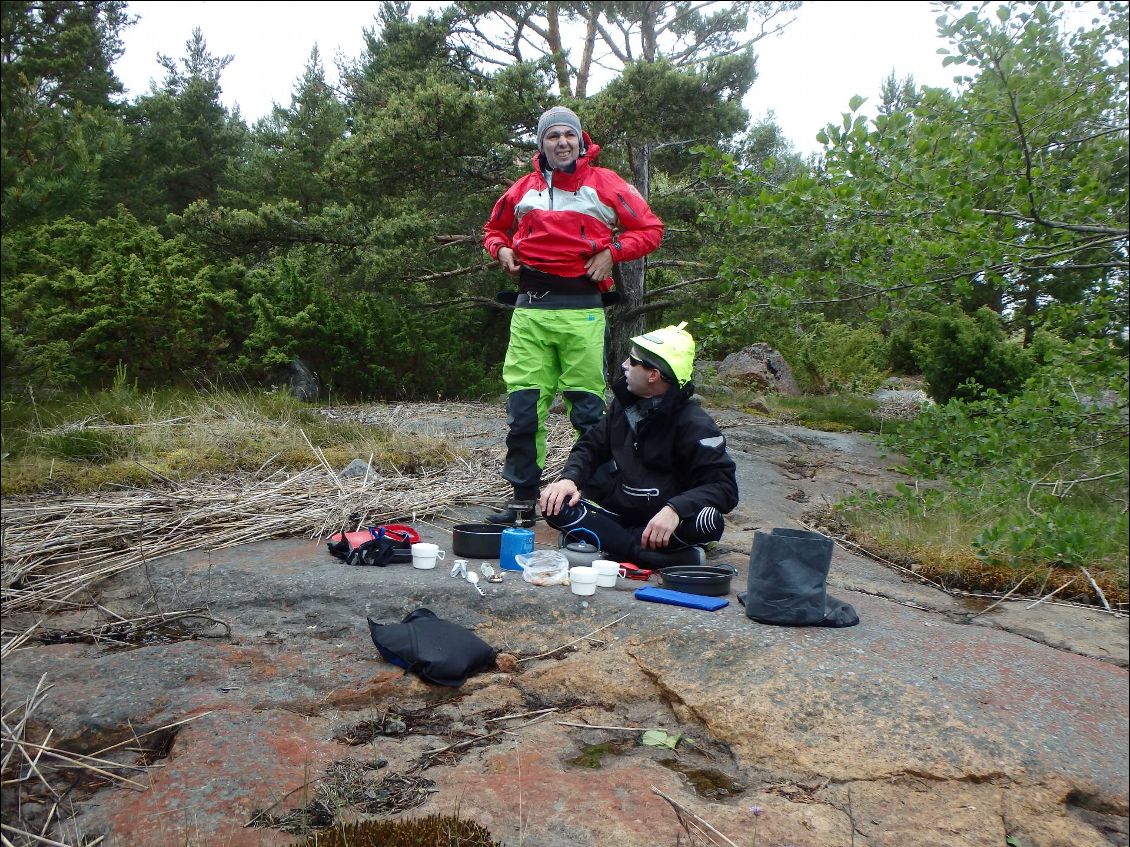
(515, 542)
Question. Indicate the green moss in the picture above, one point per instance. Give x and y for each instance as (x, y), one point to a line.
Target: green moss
(592, 755)
(830, 412)
(827, 412)
(708, 783)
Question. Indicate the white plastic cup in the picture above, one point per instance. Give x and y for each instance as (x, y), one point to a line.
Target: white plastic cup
(424, 555)
(582, 580)
(606, 572)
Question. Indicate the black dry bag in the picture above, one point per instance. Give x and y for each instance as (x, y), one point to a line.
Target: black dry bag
(788, 578)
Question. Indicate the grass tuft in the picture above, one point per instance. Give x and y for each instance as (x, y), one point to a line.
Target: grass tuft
(830, 412)
(827, 412)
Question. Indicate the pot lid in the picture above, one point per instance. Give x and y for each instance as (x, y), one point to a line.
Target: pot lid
(581, 547)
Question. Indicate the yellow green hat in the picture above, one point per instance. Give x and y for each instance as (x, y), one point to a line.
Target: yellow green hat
(674, 346)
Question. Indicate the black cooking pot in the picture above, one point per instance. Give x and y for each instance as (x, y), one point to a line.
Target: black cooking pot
(477, 540)
(707, 580)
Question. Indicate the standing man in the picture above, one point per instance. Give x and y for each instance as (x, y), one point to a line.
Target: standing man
(560, 229)
(672, 479)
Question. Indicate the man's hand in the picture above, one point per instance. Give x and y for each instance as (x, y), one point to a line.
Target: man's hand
(557, 494)
(598, 267)
(657, 533)
(508, 260)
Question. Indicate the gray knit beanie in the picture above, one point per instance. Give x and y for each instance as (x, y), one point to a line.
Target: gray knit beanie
(559, 115)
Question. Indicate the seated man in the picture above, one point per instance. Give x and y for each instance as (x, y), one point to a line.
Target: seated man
(656, 464)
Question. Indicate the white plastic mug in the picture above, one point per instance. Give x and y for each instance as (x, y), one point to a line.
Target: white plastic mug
(424, 555)
(606, 572)
(582, 580)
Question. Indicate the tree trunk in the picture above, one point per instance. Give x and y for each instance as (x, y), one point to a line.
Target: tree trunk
(557, 52)
(627, 319)
(1031, 306)
(586, 59)
(649, 17)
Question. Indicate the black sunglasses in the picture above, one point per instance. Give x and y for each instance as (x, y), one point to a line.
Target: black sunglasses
(635, 360)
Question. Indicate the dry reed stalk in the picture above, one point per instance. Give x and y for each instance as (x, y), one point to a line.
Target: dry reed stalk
(77, 760)
(94, 424)
(137, 738)
(693, 824)
(574, 641)
(12, 735)
(17, 640)
(127, 630)
(23, 761)
(426, 757)
(55, 550)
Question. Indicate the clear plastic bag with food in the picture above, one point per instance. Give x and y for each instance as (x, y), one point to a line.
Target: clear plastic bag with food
(544, 567)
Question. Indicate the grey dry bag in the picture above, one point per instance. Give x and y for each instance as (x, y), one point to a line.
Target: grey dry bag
(788, 577)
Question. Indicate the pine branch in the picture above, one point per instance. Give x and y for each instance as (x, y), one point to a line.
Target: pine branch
(665, 289)
(481, 266)
(466, 303)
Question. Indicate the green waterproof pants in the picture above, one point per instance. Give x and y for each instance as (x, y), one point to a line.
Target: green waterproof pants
(550, 350)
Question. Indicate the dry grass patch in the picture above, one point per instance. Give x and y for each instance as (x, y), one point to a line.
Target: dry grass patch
(939, 549)
(136, 441)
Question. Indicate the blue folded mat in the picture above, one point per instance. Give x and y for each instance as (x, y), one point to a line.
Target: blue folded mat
(680, 598)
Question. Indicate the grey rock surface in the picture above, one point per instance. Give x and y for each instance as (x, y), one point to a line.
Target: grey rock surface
(927, 724)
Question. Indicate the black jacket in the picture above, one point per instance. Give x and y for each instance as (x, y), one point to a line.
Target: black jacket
(677, 456)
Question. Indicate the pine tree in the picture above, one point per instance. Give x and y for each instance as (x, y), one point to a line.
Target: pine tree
(293, 144)
(58, 109)
(188, 146)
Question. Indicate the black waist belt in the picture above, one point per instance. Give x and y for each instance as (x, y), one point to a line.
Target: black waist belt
(556, 300)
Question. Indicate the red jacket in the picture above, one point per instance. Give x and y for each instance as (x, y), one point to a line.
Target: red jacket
(556, 229)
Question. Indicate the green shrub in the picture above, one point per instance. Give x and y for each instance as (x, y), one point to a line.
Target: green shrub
(81, 298)
(829, 357)
(904, 341)
(1044, 471)
(82, 301)
(961, 356)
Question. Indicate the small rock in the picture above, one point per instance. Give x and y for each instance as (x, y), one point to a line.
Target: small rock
(354, 469)
(506, 662)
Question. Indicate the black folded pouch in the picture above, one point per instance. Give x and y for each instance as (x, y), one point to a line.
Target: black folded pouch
(377, 550)
(436, 650)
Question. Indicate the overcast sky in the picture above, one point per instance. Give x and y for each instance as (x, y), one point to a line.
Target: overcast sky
(806, 76)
